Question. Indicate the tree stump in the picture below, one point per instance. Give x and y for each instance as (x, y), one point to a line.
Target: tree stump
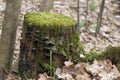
(45, 32)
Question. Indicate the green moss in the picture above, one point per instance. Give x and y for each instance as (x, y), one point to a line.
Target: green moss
(42, 19)
(113, 54)
(76, 47)
(91, 56)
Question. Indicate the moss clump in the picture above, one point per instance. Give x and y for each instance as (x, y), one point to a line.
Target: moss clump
(91, 56)
(42, 19)
(113, 54)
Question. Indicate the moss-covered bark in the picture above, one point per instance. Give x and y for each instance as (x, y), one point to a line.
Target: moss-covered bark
(44, 32)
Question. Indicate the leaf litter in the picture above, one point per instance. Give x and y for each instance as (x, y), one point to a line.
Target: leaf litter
(110, 35)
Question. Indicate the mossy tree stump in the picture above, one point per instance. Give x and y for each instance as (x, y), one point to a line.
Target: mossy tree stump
(44, 32)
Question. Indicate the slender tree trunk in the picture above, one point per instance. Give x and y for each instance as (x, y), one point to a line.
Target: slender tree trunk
(99, 20)
(78, 13)
(86, 13)
(7, 42)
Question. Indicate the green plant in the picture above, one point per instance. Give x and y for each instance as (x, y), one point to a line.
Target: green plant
(113, 54)
(51, 72)
(91, 56)
(93, 27)
(82, 23)
(92, 5)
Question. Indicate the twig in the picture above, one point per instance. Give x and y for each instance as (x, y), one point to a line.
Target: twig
(51, 63)
(5, 71)
(25, 77)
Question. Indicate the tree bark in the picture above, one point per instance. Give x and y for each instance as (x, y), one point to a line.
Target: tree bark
(78, 13)
(99, 19)
(10, 24)
(86, 16)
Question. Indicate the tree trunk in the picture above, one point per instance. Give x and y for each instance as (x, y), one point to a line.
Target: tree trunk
(7, 42)
(78, 14)
(99, 19)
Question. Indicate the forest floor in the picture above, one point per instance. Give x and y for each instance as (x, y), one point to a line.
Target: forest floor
(110, 27)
